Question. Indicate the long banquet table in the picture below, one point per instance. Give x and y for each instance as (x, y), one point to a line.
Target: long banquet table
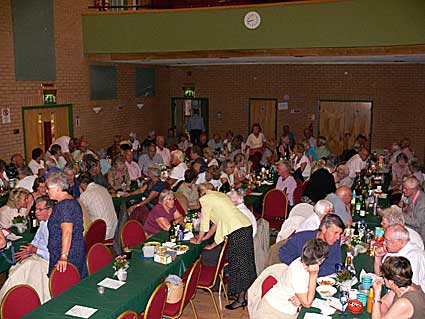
(143, 276)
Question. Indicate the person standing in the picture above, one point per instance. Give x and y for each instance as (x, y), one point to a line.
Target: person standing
(195, 126)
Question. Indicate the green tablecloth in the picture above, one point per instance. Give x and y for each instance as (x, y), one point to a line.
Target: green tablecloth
(143, 276)
(256, 201)
(361, 261)
(128, 200)
(25, 240)
(3, 200)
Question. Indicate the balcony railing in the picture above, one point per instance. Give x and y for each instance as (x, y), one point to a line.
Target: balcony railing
(122, 5)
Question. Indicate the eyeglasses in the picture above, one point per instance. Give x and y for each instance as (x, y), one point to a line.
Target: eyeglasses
(41, 209)
(386, 240)
(51, 186)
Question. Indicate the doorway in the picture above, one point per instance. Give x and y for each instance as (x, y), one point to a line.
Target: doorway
(342, 121)
(43, 124)
(264, 112)
(182, 109)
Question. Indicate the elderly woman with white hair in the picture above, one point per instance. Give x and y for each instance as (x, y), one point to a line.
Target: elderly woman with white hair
(342, 177)
(237, 200)
(394, 215)
(163, 214)
(179, 167)
(66, 240)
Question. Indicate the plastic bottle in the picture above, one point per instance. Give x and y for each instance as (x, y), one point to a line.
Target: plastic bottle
(369, 304)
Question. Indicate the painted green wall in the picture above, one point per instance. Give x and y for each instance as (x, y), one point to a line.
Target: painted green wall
(356, 23)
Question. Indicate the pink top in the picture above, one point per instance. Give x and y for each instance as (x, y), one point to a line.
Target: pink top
(133, 170)
(151, 226)
(288, 186)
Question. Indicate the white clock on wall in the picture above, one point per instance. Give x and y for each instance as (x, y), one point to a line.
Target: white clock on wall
(252, 20)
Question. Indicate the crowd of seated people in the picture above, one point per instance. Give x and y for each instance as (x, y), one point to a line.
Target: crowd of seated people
(73, 183)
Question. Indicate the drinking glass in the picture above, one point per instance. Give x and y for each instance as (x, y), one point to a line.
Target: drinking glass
(343, 298)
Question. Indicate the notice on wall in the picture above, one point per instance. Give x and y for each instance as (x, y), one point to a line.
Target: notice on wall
(282, 106)
(5, 115)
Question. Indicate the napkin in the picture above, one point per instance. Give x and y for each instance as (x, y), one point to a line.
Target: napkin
(324, 306)
(81, 311)
(310, 315)
(111, 283)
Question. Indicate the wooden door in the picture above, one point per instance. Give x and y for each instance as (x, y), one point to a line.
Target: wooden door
(342, 122)
(264, 112)
(43, 124)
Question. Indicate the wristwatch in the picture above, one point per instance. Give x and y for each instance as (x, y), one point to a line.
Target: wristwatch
(377, 301)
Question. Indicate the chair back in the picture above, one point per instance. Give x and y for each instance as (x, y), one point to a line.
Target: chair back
(98, 257)
(61, 281)
(96, 233)
(132, 234)
(156, 303)
(179, 207)
(219, 267)
(19, 301)
(275, 208)
(191, 282)
(129, 314)
(267, 284)
(298, 192)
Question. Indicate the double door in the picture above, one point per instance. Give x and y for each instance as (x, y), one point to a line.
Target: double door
(42, 125)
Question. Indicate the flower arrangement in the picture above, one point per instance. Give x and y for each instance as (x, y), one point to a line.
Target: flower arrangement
(121, 262)
(19, 220)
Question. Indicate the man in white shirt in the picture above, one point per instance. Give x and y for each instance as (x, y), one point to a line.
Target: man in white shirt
(149, 159)
(162, 150)
(132, 167)
(98, 202)
(286, 182)
(397, 243)
(33, 259)
(179, 167)
(357, 162)
(68, 146)
(36, 164)
(26, 179)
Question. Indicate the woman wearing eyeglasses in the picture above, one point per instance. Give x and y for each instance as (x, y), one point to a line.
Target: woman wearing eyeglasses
(66, 240)
(162, 215)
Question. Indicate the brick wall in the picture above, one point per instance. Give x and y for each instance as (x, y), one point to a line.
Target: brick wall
(397, 93)
(119, 116)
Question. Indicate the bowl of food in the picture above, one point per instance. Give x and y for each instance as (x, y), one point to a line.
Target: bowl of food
(329, 281)
(152, 243)
(181, 249)
(326, 291)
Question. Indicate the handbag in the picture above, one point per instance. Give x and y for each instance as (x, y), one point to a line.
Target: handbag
(8, 247)
(175, 288)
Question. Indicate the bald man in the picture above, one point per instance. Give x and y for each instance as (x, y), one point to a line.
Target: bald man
(358, 162)
(397, 243)
(341, 202)
(414, 213)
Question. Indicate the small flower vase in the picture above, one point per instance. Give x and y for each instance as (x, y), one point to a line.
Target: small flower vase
(196, 223)
(21, 228)
(122, 274)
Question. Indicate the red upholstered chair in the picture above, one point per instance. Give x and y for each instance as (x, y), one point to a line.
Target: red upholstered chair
(298, 192)
(19, 301)
(96, 233)
(156, 303)
(209, 275)
(179, 207)
(129, 314)
(132, 234)
(275, 208)
(98, 257)
(267, 284)
(190, 278)
(61, 281)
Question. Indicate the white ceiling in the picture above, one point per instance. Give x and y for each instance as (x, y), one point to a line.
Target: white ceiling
(367, 59)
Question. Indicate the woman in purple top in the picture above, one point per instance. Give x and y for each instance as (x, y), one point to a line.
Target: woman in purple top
(162, 215)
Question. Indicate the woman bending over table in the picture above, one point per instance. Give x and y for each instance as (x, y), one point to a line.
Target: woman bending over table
(228, 220)
(162, 215)
(66, 240)
(404, 300)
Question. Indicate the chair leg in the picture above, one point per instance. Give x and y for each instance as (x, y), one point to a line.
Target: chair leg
(193, 309)
(215, 303)
(224, 286)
